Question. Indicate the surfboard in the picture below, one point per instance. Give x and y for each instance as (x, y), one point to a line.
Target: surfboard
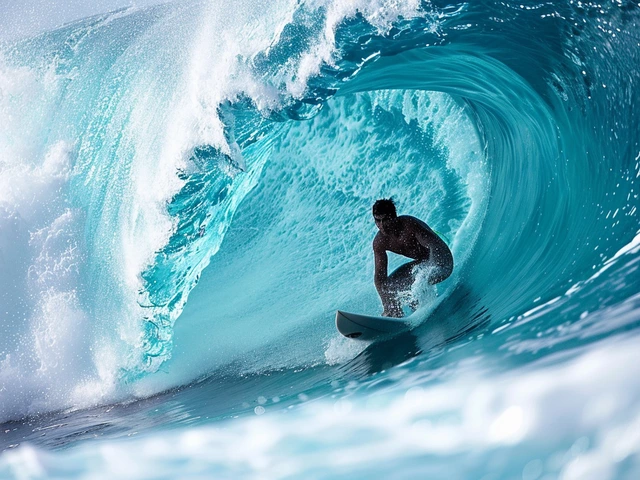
(365, 327)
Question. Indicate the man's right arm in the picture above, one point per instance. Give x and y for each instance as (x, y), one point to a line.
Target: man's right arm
(380, 259)
(391, 306)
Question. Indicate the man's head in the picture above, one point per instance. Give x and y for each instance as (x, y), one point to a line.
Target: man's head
(384, 213)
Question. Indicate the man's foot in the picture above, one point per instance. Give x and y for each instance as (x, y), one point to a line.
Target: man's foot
(394, 313)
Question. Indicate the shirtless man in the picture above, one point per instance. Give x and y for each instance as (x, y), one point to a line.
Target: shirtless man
(408, 236)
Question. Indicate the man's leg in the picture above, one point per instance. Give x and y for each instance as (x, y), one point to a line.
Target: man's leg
(398, 282)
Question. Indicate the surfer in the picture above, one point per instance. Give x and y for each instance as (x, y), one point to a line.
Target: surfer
(410, 237)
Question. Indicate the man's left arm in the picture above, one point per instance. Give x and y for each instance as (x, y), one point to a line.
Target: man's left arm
(423, 239)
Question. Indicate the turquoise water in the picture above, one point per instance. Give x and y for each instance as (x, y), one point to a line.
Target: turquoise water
(185, 197)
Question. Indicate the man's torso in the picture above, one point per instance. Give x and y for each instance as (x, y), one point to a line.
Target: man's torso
(405, 241)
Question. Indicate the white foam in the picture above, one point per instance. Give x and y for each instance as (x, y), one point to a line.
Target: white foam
(380, 13)
(341, 350)
(44, 341)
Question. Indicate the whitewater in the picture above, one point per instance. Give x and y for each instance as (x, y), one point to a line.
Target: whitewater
(185, 201)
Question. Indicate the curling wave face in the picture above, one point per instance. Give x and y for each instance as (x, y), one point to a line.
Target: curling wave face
(149, 151)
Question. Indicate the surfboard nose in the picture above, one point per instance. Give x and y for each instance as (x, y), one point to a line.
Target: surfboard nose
(347, 328)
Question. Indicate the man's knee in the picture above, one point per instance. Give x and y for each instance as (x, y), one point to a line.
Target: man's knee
(440, 274)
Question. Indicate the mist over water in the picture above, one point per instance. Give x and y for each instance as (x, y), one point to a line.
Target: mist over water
(185, 194)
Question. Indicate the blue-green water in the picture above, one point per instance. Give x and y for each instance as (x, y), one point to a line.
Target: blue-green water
(185, 197)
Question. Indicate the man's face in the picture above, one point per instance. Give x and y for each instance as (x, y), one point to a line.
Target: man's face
(383, 221)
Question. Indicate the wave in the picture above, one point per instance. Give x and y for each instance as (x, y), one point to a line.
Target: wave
(142, 159)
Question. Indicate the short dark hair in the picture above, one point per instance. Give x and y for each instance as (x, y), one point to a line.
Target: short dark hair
(385, 206)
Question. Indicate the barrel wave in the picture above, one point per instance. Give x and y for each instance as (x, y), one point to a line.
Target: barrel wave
(186, 192)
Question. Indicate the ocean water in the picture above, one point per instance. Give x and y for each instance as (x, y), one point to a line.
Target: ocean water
(185, 195)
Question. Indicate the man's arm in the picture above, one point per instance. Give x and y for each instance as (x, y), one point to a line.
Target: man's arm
(380, 259)
(439, 251)
(424, 235)
(424, 240)
(390, 305)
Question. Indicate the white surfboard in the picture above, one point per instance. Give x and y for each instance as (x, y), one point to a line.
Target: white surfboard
(366, 327)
